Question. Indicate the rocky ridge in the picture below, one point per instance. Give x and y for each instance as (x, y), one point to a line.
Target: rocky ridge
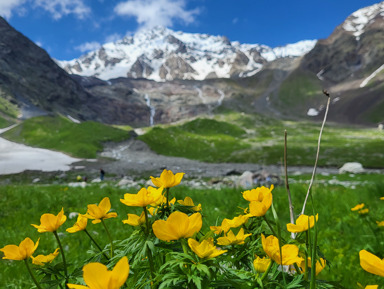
(162, 54)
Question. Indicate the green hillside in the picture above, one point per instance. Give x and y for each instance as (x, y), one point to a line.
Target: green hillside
(82, 140)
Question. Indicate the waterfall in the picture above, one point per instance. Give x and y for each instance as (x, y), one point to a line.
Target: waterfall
(151, 109)
(222, 95)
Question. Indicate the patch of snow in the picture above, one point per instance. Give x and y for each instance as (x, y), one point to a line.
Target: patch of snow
(73, 119)
(16, 158)
(319, 75)
(365, 81)
(206, 54)
(358, 20)
(312, 112)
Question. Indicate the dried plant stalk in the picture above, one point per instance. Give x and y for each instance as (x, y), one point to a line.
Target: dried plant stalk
(318, 151)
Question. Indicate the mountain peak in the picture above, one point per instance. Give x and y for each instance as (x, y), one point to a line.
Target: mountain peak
(162, 54)
(357, 21)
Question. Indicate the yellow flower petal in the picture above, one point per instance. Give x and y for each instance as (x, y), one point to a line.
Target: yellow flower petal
(167, 179)
(205, 249)
(302, 223)
(100, 212)
(42, 259)
(97, 276)
(289, 254)
(261, 264)
(135, 220)
(177, 226)
(50, 222)
(358, 207)
(80, 225)
(25, 250)
(143, 198)
(371, 263)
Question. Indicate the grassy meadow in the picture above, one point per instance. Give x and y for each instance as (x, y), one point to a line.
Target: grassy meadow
(228, 137)
(342, 233)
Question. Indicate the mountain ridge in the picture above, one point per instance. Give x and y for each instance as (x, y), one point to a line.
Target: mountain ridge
(162, 54)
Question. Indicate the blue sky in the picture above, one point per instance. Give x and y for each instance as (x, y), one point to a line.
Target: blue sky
(70, 28)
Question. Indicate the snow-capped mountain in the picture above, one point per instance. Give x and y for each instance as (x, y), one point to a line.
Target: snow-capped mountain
(357, 22)
(162, 54)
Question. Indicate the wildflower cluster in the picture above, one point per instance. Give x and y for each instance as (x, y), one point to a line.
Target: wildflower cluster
(368, 261)
(169, 247)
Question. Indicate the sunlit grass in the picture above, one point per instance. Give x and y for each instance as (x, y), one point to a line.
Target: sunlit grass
(342, 233)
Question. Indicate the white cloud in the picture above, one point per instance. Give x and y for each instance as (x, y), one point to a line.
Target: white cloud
(7, 6)
(150, 13)
(113, 37)
(60, 8)
(57, 8)
(88, 46)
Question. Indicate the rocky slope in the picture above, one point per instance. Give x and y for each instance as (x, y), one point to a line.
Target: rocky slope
(30, 79)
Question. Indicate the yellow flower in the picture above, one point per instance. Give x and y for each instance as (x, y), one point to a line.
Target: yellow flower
(257, 194)
(380, 224)
(320, 265)
(372, 287)
(100, 212)
(358, 207)
(135, 220)
(371, 263)
(302, 223)
(50, 222)
(260, 200)
(261, 264)
(42, 259)
(167, 179)
(205, 249)
(21, 252)
(363, 211)
(189, 202)
(227, 224)
(272, 249)
(143, 198)
(97, 276)
(382, 198)
(177, 226)
(231, 239)
(80, 225)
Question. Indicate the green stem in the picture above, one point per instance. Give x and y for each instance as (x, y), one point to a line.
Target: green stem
(146, 220)
(30, 273)
(269, 225)
(62, 255)
(109, 236)
(184, 246)
(97, 245)
(313, 269)
(151, 266)
(167, 197)
(306, 254)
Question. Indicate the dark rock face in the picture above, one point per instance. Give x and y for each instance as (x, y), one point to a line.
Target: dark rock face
(27, 72)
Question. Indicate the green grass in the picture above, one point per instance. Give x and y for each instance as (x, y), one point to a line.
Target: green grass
(201, 139)
(342, 233)
(235, 137)
(297, 90)
(6, 106)
(82, 140)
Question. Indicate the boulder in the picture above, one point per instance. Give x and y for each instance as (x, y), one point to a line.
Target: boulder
(352, 167)
(245, 181)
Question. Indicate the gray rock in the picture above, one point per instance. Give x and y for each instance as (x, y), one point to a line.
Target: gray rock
(352, 167)
(245, 181)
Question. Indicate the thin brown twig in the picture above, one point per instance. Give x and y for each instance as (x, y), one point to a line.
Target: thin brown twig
(318, 151)
(291, 212)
